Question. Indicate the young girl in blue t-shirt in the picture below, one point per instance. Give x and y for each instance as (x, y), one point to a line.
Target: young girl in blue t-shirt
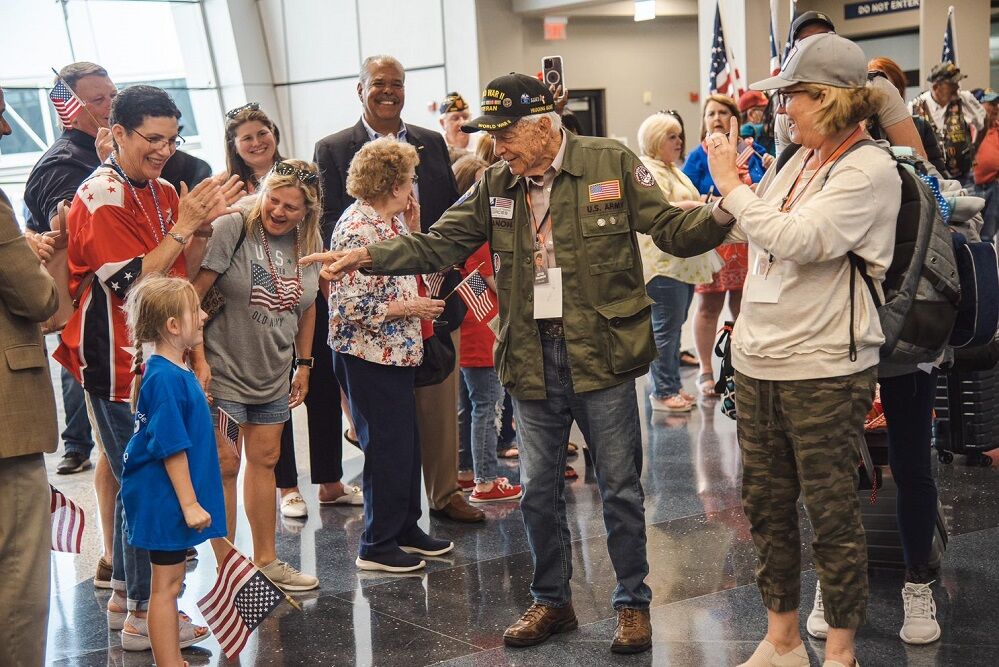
(171, 486)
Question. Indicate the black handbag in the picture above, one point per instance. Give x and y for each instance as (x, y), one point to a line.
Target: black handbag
(438, 359)
(455, 308)
(725, 387)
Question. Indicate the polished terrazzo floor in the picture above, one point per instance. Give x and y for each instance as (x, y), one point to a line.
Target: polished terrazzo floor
(706, 607)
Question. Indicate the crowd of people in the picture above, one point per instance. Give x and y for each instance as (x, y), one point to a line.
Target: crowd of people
(203, 300)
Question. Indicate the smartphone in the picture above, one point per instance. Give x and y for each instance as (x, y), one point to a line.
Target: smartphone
(551, 71)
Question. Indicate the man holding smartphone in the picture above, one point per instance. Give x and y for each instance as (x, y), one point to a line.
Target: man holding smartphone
(573, 334)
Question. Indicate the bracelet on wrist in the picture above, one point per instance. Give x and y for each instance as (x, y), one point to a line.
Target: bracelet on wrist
(177, 237)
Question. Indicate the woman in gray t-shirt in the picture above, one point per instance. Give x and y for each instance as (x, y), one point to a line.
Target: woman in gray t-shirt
(268, 312)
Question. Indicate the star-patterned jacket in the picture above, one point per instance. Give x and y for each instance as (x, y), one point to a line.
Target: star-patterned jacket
(109, 234)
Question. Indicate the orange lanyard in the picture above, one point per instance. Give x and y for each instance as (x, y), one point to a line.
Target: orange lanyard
(546, 219)
(788, 201)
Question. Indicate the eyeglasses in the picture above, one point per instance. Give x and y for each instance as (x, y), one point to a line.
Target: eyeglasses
(251, 106)
(176, 142)
(303, 175)
(784, 95)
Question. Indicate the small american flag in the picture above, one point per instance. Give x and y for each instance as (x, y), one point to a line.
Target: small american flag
(238, 602)
(434, 282)
(949, 53)
(229, 428)
(605, 190)
(67, 105)
(476, 294)
(67, 523)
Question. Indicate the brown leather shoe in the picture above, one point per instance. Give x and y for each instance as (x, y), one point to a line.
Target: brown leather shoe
(539, 623)
(634, 631)
(458, 509)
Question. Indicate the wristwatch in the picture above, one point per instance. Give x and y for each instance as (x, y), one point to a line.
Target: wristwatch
(308, 362)
(177, 237)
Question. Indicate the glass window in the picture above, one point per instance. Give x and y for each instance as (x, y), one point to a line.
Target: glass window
(24, 108)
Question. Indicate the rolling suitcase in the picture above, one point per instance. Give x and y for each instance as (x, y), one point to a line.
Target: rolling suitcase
(967, 410)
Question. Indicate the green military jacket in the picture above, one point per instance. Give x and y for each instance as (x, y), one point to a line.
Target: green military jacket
(605, 308)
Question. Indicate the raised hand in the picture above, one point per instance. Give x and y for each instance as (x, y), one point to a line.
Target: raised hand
(337, 263)
(722, 154)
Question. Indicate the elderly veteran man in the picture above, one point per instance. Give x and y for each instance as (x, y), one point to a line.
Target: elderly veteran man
(560, 213)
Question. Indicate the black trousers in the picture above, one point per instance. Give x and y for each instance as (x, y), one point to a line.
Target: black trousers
(325, 416)
(908, 405)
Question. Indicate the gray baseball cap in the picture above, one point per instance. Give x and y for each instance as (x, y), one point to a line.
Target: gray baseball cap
(826, 59)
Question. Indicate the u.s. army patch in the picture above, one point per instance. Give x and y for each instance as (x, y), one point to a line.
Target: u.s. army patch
(643, 176)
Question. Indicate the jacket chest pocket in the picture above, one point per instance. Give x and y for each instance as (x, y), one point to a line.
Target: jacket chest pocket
(607, 240)
(501, 246)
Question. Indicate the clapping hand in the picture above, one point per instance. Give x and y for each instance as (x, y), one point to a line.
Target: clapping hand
(208, 200)
(722, 154)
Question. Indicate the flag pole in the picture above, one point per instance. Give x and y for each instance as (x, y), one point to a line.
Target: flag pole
(953, 30)
(83, 105)
(464, 280)
(292, 601)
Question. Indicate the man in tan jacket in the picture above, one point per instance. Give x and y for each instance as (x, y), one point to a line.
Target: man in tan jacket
(28, 414)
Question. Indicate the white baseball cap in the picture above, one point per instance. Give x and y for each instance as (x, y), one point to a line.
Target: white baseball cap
(826, 58)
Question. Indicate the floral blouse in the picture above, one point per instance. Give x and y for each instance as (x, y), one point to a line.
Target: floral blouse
(358, 302)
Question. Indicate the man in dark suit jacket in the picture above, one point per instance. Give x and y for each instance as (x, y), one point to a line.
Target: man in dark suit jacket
(382, 92)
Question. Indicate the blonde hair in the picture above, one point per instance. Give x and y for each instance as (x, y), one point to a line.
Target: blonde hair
(842, 108)
(148, 306)
(484, 151)
(653, 132)
(378, 167)
(312, 192)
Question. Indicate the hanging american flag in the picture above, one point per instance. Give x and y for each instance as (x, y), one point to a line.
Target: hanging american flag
(264, 292)
(229, 428)
(67, 523)
(724, 75)
(67, 105)
(434, 282)
(789, 42)
(238, 602)
(478, 297)
(949, 53)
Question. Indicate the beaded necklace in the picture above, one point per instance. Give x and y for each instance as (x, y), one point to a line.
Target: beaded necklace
(156, 200)
(288, 298)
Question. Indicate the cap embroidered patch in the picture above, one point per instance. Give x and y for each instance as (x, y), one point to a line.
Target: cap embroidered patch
(605, 190)
(643, 176)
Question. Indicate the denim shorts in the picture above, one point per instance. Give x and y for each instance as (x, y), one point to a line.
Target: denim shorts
(275, 412)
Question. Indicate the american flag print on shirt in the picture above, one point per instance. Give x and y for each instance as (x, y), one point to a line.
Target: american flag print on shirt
(240, 600)
(263, 291)
(605, 190)
(67, 105)
(67, 523)
(476, 294)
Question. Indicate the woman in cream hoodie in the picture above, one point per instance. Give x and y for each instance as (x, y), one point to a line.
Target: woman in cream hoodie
(669, 280)
(806, 346)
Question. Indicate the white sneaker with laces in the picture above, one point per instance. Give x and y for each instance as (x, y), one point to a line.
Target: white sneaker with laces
(287, 578)
(293, 506)
(920, 626)
(816, 623)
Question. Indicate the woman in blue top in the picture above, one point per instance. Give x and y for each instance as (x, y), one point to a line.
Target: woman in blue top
(718, 109)
(171, 485)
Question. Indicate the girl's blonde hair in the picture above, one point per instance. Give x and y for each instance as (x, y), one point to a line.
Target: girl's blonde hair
(311, 191)
(147, 308)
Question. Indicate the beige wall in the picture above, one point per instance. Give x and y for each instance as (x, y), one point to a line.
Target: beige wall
(623, 57)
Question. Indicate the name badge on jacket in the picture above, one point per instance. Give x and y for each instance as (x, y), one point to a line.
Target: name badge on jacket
(501, 207)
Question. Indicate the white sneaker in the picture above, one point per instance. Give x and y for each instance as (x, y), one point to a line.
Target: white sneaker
(816, 624)
(293, 506)
(766, 655)
(287, 578)
(920, 626)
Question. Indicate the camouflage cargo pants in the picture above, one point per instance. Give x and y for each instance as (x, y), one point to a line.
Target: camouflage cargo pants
(803, 437)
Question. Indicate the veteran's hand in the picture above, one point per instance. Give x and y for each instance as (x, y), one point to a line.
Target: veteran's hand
(337, 263)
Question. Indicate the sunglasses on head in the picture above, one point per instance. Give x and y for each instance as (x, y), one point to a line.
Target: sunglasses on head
(305, 176)
(251, 106)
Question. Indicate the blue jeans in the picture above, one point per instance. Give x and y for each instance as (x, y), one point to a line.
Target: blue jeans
(76, 436)
(609, 421)
(115, 424)
(481, 396)
(669, 312)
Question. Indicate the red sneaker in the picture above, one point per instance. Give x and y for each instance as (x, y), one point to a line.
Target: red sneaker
(502, 490)
(466, 484)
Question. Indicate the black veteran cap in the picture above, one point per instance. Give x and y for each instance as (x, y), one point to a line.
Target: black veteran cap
(509, 98)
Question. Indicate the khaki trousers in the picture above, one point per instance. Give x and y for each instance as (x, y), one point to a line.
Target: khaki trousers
(437, 420)
(25, 542)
